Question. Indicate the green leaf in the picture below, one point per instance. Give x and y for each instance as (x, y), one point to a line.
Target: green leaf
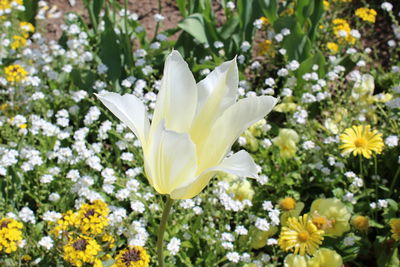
(194, 25)
(108, 263)
(269, 8)
(394, 259)
(182, 7)
(110, 52)
(315, 18)
(31, 7)
(83, 79)
(229, 28)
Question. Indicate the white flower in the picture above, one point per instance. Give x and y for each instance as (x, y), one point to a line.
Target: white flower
(158, 17)
(392, 141)
(174, 246)
(46, 242)
(348, 241)
(233, 257)
(262, 224)
(186, 144)
(382, 203)
(387, 6)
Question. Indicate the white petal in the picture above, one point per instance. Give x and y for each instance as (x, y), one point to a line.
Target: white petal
(240, 164)
(235, 120)
(215, 94)
(130, 110)
(170, 160)
(176, 101)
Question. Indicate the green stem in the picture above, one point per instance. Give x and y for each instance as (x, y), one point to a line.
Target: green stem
(161, 231)
(394, 180)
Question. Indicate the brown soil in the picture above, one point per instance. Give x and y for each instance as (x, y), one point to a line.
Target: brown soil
(145, 9)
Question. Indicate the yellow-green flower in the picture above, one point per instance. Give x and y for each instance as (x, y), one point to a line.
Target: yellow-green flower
(336, 212)
(360, 140)
(395, 228)
(193, 127)
(133, 256)
(325, 258)
(300, 235)
(286, 141)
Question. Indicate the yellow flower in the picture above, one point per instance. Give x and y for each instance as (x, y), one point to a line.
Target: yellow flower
(134, 256)
(258, 128)
(265, 21)
(92, 217)
(286, 141)
(360, 223)
(327, 5)
(26, 28)
(68, 220)
(325, 258)
(293, 260)
(333, 47)
(300, 235)
(366, 14)
(395, 228)
(18, 42)
(15, 73)
(5, 4)
(10, 235)
(360, 140)
(288, 203)
(193, 127)
(342, 30)
(336, 212)
(265, 47)
(81, 250)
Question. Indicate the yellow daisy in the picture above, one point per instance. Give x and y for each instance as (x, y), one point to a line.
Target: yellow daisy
(360, 140)
(301, 235)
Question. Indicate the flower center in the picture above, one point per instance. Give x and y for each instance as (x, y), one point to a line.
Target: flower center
(131, 255)
(4, 224)
(319, 221)
(89, 213)
(80, 244)
(360, 142)
(288, 203)
(304, 236)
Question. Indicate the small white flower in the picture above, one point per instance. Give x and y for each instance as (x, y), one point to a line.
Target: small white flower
(233, 257)
(174, 246)
(387, 6)
(392, 141)
(46, 242)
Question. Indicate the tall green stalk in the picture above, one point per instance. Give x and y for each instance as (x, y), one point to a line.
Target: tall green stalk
(161, 231)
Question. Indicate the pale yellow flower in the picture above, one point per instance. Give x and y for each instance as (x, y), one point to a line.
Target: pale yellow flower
(325, 258)
(336, 212)
(193, 127)
(286, 141)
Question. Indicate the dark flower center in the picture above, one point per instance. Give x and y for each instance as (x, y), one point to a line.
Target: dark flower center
(80, 244)
(131, 255)
(89, 213)
(4, 224)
